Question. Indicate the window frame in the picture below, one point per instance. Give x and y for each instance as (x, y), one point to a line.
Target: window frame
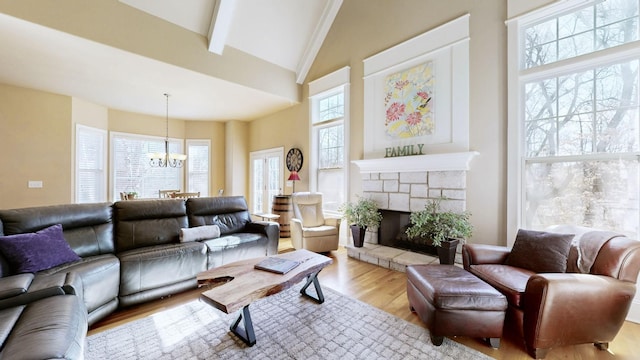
(264, 155)
(101, 193)
(319, 89)
(113, 194)
(188, 172)
(518, 76)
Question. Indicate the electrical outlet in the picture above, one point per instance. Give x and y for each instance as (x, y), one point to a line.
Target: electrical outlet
(33, 184)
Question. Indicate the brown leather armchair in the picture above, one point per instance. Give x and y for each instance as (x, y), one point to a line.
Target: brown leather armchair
(556, 309)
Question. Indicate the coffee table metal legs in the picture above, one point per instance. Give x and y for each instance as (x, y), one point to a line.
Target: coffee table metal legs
(245, 332)
(313, 278)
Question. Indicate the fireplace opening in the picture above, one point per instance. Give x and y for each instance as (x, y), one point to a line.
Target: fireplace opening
(392, 233)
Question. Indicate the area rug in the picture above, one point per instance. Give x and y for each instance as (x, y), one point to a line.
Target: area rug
(287, 326)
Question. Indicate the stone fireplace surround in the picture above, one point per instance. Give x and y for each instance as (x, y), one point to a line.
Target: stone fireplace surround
(405, 184)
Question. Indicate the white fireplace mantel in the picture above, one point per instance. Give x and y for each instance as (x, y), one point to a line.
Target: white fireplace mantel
(432, 162)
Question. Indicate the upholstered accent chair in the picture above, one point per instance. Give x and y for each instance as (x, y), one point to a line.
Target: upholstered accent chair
(586, 300)
(309, 228)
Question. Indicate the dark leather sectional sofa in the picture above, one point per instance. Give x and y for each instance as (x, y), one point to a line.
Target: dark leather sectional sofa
(130, 253)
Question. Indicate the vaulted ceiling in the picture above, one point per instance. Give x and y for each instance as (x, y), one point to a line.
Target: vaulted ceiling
(219, 59)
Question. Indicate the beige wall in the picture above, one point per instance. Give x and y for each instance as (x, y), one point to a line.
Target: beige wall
(122, 121)
(35, 143)
(236, 158)
(366, 27)
(519, 7)
(289, 129)
(37, 136)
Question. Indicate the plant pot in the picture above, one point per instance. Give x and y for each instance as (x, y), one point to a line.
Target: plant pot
(447, 251)
(358, 235)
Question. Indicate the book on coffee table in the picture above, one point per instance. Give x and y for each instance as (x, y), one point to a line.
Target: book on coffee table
(277, 265)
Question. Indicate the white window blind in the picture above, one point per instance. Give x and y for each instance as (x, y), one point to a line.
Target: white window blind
(131, 171)
(198, 166)
(91, 150)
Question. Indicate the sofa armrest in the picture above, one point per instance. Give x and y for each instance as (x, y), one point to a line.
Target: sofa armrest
(15, 285)
(28, 288)
(73, 285)
(30, 297)
(296, 233)
(567, 308)
(333, 221)
(271, 230)
(475, 254)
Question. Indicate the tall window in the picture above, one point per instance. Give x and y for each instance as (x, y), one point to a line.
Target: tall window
(131, 171)
(198, 166)
(328, 133)
(329, 154)
(577, 116)
(91, 156)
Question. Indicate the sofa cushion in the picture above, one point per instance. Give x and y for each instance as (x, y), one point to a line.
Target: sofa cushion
(144, 223)
(540, 251)
(149, 267)
(235, 247)
(88, 228)
(50, 328)
(33, 252)
(230, 213)
(8, 319)
(322, 230)
(199, 233)
(510, 281)
(100, 277)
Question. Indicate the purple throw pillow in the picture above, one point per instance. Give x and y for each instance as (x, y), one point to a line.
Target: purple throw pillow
(33, 252)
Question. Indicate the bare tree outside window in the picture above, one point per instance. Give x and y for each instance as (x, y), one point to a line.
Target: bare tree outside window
(132, 172)
(581, 128)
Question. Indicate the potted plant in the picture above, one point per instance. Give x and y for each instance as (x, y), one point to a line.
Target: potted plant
(442, 229)
(132, 195)
(361, 215)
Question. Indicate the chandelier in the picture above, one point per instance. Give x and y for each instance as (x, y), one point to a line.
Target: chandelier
(166, 159)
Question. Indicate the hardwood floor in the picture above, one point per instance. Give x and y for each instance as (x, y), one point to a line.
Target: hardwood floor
(386, 290)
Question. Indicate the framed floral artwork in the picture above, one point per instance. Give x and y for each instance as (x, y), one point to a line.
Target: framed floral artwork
(408, 102)
(416, 94)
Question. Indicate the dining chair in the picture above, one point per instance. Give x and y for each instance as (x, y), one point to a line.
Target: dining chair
(164, 194)
(186, 195)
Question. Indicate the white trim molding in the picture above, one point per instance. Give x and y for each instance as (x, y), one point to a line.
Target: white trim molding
(432, 162)
(445, 51)
(317, 38)
(220, 25)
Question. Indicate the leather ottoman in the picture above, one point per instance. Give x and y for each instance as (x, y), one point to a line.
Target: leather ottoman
(454, 302)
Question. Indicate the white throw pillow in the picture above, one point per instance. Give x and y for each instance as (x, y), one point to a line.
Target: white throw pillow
(199, 233)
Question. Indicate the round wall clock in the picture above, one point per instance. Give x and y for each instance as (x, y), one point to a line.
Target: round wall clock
(294, 159)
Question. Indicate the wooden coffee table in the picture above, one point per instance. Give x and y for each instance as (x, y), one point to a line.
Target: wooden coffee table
(238, 284)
